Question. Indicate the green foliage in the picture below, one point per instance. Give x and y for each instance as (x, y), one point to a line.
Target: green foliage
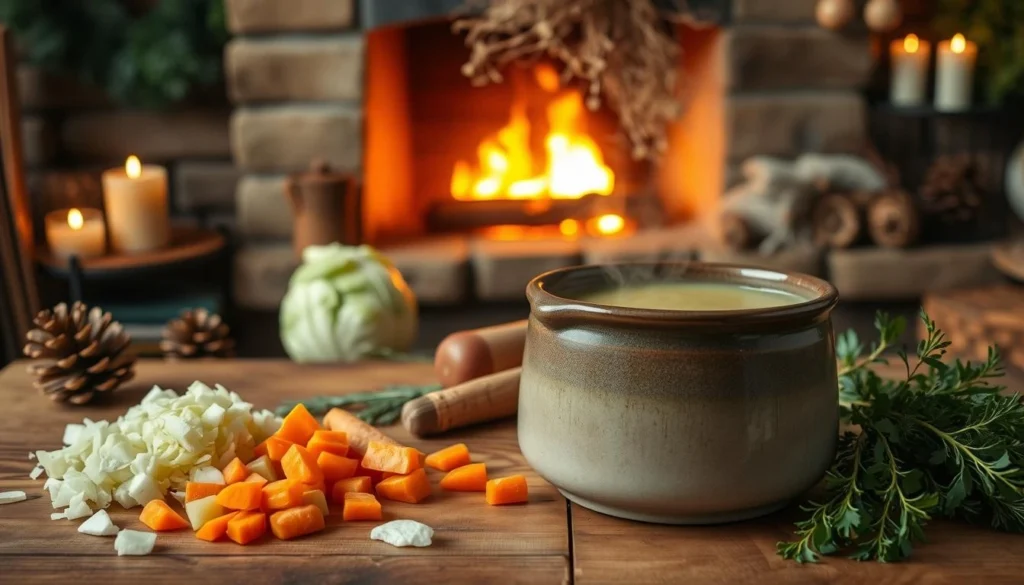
(151, 60)
(941, 442)
(376, 407)
(997, 26)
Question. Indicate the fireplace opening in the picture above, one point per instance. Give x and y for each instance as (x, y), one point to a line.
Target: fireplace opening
(527, 158)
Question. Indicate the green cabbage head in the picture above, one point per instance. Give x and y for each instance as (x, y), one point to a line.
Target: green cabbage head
(345, 303)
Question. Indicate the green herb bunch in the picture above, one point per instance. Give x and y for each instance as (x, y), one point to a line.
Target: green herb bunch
(941, 442)
(376, 407)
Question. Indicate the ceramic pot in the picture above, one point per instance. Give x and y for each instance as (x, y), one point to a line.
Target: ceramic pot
(678, 417)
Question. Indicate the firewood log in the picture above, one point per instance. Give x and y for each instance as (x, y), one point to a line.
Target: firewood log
(893, 220)
(836, 221)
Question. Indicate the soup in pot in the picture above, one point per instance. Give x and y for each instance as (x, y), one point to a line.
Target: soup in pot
(693, 296)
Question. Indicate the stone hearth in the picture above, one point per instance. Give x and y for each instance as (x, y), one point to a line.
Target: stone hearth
(296, 73)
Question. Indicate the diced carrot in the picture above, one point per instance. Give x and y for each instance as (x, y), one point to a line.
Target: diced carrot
(373, 474)
(281, 494)
(330, 441)
(274, 448)
(360, 506)
(412, 488)
(295, 522)
(507, 490)
(335, 468)
(468, 478)
(215, 529)
(298, 426)
(386, 474)
(300, 465)
(247, 526)
(360, 484)
(160, 517)
(392, 458)
(244, 495)
(196, 490)
(449, 458)
(235, 471)
(256, 478)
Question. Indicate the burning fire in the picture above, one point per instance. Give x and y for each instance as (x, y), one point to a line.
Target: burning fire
(506, 168)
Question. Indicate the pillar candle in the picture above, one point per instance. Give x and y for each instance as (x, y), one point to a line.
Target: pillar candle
(74, 232)
(136, 200)
(954, 74)
(909, 82)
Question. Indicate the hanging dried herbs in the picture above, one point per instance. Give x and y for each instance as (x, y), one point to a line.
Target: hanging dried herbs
(623, 50)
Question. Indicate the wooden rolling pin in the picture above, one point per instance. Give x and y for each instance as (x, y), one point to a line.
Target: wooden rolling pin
(488, 398)
(468, 355)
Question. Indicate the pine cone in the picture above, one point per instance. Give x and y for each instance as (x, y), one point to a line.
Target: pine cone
(197, 333)
(950, 192)
(80, 352)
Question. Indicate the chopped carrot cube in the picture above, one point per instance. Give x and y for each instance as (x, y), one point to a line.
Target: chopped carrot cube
(274, 448)
(300, 465)
(298, 426)
(360, 506)
(449, 458)
(256, 478)
(412, 488)
(244, 495)
(247, 526)
(160, 517)
(281, 494)
(335, 442)
(468, 478)
(391, 458)
(235, 471)
(507, 490)
(295, 522)
(196, 490)
(336, 468)
(215, 529)
(359, 484)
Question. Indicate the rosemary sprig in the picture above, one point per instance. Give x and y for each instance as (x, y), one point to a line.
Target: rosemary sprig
(376, 407)
(941, 442)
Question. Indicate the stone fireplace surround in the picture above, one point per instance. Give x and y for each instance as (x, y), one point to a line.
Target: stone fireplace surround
(295, 72)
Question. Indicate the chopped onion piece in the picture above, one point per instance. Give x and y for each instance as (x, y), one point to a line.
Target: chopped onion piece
(133, 542)
(99, 524)
(36, 472)
(12, 497)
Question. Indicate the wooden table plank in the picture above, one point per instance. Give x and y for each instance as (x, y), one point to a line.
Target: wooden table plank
(465, 527)
(455, 570)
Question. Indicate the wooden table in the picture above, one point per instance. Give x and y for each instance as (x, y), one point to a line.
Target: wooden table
(546, 541)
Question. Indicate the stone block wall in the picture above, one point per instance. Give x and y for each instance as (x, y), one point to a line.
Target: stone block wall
(295, 72)
(73, 130)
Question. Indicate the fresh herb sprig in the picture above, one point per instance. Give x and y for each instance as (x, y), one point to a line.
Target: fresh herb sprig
(941, 442)
(378, 407)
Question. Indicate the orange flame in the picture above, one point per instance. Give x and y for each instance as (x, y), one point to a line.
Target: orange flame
(505, 167)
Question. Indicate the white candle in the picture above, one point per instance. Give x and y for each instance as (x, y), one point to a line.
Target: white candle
(909, 81)
(136, 200)
(76, 232)
(954, 75)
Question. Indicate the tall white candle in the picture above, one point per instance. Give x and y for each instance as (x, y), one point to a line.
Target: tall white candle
(76, 232)
(954, 75)
(909, 82)
(136, 200)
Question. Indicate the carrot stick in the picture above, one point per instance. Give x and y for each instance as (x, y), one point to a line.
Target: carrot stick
(359, 433)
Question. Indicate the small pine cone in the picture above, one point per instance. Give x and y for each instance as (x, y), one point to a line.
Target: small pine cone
(79, 353)
(197, 333)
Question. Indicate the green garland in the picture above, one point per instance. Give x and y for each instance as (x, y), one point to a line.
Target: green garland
(997, 26)
(149, 60)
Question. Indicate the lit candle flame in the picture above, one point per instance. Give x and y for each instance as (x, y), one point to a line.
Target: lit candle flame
(132, 167)
(75, 219)
(958, 44)
(911, 44)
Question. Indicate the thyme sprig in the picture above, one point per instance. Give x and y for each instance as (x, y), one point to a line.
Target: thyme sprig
(940, 442)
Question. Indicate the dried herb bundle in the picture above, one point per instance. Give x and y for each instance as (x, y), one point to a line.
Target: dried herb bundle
(943, 442)
(622, 49)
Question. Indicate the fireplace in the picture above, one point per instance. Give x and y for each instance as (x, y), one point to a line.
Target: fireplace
(526, 158)
(471, 191)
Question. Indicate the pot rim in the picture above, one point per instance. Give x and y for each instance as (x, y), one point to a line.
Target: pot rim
(548, 304)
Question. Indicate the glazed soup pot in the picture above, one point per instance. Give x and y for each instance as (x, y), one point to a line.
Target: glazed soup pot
(682, 417)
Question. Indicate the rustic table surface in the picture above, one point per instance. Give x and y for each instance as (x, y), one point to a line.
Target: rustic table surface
(546, 541)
